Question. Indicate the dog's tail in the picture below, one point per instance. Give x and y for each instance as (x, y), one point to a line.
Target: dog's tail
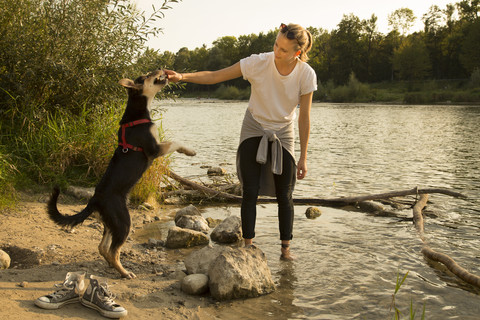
(63, 220)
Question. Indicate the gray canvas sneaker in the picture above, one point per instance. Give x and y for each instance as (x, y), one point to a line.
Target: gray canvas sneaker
(98, 297)
(69, 292)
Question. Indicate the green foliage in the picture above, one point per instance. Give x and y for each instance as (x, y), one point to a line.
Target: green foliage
(411, 59)
(60, 102)
(61, 146)
(412, 312)
(401, 20)
(231, 93)
(354, 91)
(7, 172)
(68, 53)
(470, 56)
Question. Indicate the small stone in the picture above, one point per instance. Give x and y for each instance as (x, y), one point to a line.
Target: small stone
(23, 284)
(313, 212)
(216, 171)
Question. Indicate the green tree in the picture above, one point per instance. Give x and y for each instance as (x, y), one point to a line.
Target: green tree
(182, 59)
(434, 31)
(470, 56)
(319, 55)
(226, 47)
(469, 10)
(345, 49)
(401, 20)
(411, 58)
(370, 37)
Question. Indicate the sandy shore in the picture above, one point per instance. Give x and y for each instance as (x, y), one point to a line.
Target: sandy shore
(42, 254)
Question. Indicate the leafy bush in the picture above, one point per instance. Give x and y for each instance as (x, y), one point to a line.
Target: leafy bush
(69, 53)
(231, 93)
(60, 102)
(354, 91)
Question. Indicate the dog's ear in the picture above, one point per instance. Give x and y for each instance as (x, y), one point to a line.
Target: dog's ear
(127, 83)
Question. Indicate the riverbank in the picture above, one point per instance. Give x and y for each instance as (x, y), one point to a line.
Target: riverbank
(42, 254)
(438, 92)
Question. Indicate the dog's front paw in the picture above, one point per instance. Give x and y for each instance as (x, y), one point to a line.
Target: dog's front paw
(187, 151)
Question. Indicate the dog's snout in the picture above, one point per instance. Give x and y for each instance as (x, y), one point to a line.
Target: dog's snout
(161, 80)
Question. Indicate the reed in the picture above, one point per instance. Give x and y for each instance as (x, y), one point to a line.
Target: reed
(397, 313)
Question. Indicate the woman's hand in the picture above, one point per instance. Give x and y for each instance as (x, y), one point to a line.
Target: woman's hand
(301, 168)
(172, 76)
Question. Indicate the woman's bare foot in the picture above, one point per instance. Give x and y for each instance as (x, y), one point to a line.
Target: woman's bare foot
(248, 242)
(286, 255)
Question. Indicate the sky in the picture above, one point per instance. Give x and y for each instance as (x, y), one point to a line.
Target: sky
(192, 23)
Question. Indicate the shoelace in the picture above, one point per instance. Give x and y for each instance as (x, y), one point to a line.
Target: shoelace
(108, 297)
(65, 287)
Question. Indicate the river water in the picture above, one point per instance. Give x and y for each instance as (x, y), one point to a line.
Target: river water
(347, 261)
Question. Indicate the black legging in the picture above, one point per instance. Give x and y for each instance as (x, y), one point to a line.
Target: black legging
(284, 184)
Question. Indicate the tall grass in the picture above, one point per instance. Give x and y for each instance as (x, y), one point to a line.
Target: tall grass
(7, 174)
(61, 148)
(56, 147)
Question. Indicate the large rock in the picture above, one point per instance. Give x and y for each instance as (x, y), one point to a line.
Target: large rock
(199, 261)
(229, 231)
(185, 238)
(197, 223)
(195, 284)
(4, 260)
(240, 273)
(191, 210)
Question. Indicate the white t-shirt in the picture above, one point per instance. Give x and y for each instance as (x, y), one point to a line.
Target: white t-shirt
(274, 97)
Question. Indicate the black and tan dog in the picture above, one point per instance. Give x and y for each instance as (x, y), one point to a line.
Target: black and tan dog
(139, 145)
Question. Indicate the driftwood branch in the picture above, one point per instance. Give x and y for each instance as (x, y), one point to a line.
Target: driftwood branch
(203, 189)
(418, 216)
(333, 202)
(437, 256)
(452, 266)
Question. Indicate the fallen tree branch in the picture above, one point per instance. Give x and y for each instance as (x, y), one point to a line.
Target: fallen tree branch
(452, 266)
(437, 256)
(204, 189)
(418, 216)
(333, 202)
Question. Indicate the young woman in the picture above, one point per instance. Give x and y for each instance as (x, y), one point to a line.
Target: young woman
(280, 81)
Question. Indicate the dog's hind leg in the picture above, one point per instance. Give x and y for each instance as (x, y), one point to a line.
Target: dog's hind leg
(114, 255)
(105, 244)
(116, 235)
(172, 146)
